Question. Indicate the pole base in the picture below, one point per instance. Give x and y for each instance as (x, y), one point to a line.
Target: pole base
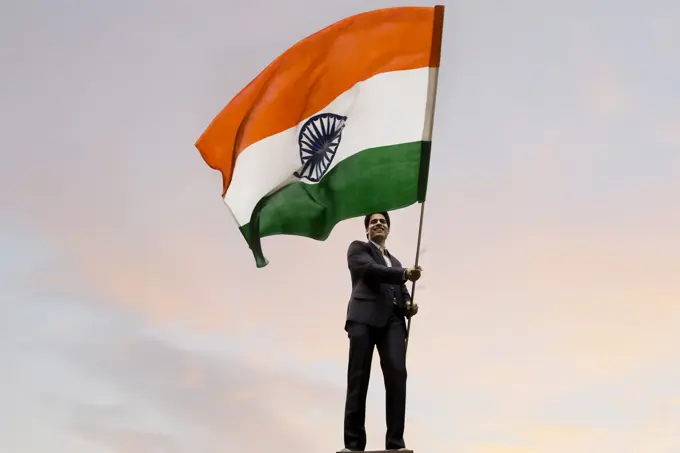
(403, 450)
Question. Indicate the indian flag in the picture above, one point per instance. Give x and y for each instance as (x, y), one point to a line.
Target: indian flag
(337, 126)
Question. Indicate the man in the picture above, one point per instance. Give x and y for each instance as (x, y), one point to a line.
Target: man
(376, 316)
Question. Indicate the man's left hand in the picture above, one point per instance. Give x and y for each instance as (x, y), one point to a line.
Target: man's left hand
(411, 310)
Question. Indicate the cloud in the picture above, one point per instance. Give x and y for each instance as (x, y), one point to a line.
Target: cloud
(127, 440)
(94, 378)
(179, 400)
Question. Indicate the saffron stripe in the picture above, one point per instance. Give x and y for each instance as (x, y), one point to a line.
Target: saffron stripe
(316, 70)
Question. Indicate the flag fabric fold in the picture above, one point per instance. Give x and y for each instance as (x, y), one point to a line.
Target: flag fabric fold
(337, 126)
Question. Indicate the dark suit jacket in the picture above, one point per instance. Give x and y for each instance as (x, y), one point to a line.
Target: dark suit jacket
(375, 286)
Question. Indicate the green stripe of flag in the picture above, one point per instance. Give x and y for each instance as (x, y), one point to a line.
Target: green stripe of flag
(376, 179)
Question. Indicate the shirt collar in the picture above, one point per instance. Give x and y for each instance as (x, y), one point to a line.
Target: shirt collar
(378, 247)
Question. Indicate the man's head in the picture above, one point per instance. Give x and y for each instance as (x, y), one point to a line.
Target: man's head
(377, 226)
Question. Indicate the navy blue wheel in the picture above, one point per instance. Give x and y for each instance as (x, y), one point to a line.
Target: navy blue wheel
(319, 140)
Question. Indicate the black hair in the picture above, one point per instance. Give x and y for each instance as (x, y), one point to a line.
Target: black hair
(367, 219)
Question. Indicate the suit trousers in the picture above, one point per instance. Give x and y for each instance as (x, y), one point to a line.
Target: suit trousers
(390, 342)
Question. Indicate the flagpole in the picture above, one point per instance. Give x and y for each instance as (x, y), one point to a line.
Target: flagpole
(435, 59)
(413, 285)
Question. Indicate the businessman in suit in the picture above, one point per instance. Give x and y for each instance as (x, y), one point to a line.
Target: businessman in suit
(376, 315)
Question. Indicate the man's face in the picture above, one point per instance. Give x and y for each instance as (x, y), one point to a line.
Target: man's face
(377, 228)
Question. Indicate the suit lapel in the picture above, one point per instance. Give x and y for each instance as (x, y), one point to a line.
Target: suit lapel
(395, 261)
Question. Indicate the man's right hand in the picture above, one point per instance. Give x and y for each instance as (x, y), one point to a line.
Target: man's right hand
(413, 273)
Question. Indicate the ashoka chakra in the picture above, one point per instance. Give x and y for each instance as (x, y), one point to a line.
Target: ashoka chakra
(319, 140)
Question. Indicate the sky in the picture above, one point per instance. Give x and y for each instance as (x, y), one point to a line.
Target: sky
(133, 318)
